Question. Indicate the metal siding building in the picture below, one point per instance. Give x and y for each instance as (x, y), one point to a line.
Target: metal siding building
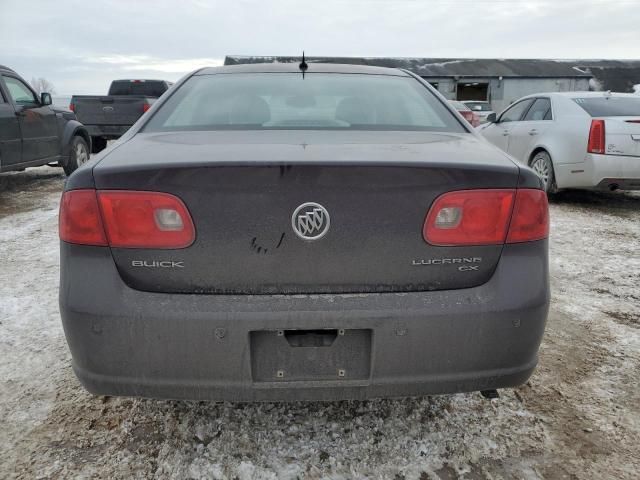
(499, 81)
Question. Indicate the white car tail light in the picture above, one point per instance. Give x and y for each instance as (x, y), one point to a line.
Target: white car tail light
(596, 137)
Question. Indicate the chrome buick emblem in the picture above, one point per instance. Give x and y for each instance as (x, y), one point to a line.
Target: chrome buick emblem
(310, 221)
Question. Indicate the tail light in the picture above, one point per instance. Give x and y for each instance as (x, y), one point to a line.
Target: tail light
(145, 107)
(530, 218)
(467, 114)
(487, 217)
(80, 220)
(72, 107)
(596, 137)
(125, 219)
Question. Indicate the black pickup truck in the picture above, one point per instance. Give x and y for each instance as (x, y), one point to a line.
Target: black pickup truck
(33, 133)
(109, 117)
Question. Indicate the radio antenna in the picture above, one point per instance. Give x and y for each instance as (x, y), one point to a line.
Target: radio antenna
(303, 65)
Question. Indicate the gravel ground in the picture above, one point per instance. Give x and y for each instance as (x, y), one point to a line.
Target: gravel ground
(578, 417)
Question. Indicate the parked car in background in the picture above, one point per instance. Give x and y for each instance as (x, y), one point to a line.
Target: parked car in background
(33, 133)
(269, 233)
(482, 109)
(573, 139)
(466, 112)
(108, 117)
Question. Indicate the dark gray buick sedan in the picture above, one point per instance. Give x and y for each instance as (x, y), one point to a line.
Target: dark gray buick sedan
(272, 232)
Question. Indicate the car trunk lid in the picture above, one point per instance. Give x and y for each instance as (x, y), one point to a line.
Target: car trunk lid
(622, 136)
(242, 191)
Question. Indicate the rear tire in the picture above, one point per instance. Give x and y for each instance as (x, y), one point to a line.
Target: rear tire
(542, 164)
(98, 144)
(78, 155)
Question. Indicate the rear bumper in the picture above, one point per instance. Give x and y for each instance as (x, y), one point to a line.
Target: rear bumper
(133, 343)
(601, 172)
(107, 131)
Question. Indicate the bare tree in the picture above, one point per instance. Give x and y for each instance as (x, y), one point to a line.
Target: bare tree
(42, 85)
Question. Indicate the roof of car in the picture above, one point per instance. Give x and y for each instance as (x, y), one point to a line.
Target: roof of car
(440, 67)
(294, 67)
(135, 80)
(2, 67)
(579, 94)
(594, 94)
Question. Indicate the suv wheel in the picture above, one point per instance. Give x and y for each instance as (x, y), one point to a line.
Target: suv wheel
(541, 164)
(78, 155)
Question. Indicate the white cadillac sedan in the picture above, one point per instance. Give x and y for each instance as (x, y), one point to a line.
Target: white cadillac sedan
(573, 139)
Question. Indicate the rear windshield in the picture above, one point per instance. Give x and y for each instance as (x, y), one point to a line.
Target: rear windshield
(148, 88)
(610, 106)
(262, 101)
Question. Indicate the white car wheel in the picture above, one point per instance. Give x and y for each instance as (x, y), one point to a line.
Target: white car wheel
(541, 164)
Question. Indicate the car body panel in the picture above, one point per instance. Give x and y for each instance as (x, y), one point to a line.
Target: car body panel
(623, 136)
(10, 135)
(606, 172)
(498, 134)
(308, 146)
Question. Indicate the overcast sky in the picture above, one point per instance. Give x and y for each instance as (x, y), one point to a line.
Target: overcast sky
(81, 45)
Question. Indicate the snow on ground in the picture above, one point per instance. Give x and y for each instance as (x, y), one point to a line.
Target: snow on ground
(578, 417)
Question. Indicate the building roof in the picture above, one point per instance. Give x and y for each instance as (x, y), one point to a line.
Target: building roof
(442, 67)
(614, 75)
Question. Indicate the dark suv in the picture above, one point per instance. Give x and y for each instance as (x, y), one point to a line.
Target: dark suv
(33, 133)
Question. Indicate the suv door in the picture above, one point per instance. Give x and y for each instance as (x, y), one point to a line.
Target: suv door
(525, 134)
(499, 133)
(10, 138)
(38, 123)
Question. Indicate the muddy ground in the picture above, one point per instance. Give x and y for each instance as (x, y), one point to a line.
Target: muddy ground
(578, 416)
